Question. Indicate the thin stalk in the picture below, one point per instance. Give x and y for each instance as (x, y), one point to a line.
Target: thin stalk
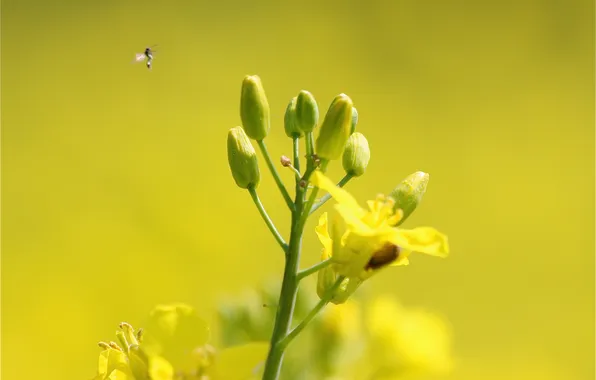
(289, 288)
(309, 143)
(296, 150)
(313, 313)
(313, 196)
(315, 268)
(326, 197)
(267, 219)
(275, 174)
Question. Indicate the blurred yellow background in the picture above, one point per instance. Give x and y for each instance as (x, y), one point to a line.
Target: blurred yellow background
(116, 192)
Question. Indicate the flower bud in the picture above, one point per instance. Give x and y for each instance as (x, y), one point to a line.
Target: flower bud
(242, 159)
(408, 194)
(346, 289)
(290, 122)
(356, 154)
(285, 161)
(307, 111)
(335, 128)
(326, 278)
(354, 119)
(254, 108)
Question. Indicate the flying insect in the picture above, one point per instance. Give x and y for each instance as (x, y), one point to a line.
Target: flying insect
(146, 56)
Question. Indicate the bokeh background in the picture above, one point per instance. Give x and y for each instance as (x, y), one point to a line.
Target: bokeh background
(116, 194)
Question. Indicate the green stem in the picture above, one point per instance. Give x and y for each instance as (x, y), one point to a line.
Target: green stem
(313, 313)
(326, 197)
(310, 146)
(289, 288)
(315, 268)
(313, 195)
(275, 174)
(267, 219)
(296, 150)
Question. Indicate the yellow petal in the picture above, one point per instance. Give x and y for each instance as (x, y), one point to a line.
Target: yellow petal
(353, 222)
(402, 259)
(338, 234)
(103, 362)
(322, 231)
(423, 240)
(340, 195)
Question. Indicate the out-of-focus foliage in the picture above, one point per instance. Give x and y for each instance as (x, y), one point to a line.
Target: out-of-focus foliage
(174, 347)
(361, 339)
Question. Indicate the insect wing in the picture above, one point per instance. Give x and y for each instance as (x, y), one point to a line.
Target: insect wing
(139, 57)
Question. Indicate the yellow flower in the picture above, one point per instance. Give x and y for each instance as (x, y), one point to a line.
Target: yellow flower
(362, 242)
(407, 339)
(342, 322)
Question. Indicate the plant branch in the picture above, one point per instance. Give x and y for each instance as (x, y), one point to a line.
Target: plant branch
(267, 219)
(313, 195)
(275, 174)
(326, 197)
(289, 285)
(296, 150)
(313, 313)
(315, 268)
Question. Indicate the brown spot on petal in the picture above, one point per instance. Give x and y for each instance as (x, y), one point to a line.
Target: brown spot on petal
(382, 257)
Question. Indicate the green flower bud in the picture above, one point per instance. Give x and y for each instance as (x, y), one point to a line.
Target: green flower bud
(326, 278)
(307, 111)
(356, 155)
(242, 159)
(290, 122)
(254, 108)
(354, 119)
(335, 129)
(408, 194)
(346, 289)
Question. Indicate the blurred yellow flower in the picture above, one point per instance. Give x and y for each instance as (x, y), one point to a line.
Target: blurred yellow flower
(363, 241)
(407, 339)
(342, 321)
(113, 365)
(116, 364)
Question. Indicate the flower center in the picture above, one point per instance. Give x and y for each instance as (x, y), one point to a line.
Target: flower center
(382, 211)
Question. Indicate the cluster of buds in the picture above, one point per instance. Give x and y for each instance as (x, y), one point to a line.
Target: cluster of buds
(337, 137)
(358, 242)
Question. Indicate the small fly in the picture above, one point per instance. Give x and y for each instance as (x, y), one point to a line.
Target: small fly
(146, 55)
